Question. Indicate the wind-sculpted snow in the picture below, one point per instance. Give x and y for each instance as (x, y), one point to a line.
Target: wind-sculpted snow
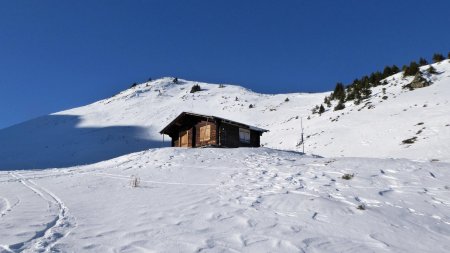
(229, 200)
(131, 120)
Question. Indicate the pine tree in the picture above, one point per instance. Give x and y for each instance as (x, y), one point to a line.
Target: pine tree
(358, 97)
(175, 80)
(387, 71)
(339, 92)
(321, 109)
(438, 58)
(378, 77)
(422, 62)
(448, 56)
(431, 70)
(339, 106)
(412, 69)
(375, 78)
(350, 93)
(366, 92)
(327, 101)
(395, 69)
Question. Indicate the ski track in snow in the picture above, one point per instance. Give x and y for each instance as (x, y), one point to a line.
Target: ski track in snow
(45, 240)
(240, 200)
(117, 176)
(233, 200)
(5, 206)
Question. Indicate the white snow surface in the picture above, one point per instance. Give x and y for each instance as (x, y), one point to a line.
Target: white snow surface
(131, 121)
(65, 178)
(228, 200)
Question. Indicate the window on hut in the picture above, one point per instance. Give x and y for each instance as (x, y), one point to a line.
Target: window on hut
(205, 133)
(244, 135)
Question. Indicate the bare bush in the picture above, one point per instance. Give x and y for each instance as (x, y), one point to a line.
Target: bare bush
(135, 181)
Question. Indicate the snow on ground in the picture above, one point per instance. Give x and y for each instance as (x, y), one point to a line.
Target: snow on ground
(232, 200)
(377, 127)
(131, 121)
(228, 200)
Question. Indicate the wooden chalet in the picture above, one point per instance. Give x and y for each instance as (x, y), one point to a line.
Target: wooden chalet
(197, 130)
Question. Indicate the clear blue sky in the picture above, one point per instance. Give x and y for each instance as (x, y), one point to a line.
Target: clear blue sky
(56, 55)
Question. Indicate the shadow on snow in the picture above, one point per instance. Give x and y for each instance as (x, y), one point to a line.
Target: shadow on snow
(58, 141)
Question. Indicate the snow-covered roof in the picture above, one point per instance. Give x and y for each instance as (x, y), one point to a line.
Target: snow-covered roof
(254, 128)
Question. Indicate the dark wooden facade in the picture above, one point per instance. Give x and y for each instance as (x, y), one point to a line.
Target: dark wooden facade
(197, 130)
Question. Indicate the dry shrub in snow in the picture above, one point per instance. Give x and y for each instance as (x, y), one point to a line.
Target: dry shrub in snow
(135, 181)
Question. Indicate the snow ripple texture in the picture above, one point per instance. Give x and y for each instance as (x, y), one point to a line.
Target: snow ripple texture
(228, 200)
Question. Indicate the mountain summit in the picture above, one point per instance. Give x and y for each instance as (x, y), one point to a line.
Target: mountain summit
(394, 122)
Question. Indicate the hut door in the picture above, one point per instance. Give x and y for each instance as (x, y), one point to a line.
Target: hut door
(184, 139)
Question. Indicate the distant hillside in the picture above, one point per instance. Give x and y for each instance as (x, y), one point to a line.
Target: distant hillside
(392, 122)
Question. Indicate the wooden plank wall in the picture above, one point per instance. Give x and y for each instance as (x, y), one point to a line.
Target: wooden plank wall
(213, 135)
(176, 139)
(230, 137)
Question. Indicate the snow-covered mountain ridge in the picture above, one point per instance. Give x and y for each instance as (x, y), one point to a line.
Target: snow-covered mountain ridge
(232, 200)
(131, 120)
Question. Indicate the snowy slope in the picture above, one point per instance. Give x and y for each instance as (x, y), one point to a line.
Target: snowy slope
(377, 127)
(228, 200)
(131, 120)
(232, 200)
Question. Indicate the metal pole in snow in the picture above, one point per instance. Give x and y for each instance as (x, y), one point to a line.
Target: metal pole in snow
(303, 141)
